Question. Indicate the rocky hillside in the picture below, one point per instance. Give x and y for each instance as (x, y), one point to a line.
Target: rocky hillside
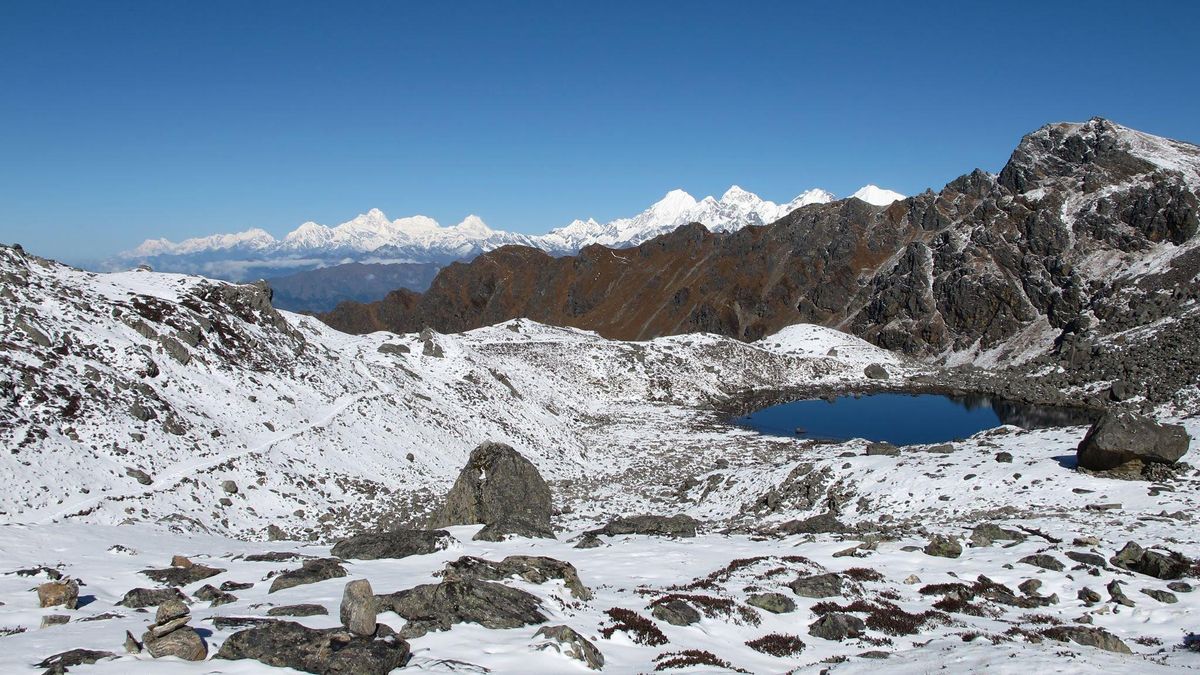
(1087, 232)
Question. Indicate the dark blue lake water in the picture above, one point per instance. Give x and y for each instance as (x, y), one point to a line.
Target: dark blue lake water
(904, 419)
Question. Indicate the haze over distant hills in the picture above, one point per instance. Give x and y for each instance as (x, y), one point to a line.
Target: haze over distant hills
(373, 238)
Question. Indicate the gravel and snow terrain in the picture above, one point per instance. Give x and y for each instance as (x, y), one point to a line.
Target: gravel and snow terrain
(151, 415)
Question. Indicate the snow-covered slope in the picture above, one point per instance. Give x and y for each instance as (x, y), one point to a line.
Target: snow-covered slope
(128, 400)
(373, 237)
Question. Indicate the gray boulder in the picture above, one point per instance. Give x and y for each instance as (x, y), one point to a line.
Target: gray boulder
(943, 547)
(775, 603)
(676, 612)
(882, 448)
(837, 626)
(302, 609)
(397, 544)
(570, 643)
(433, 607)
(284, 644)
(150, 597)
(310, 572)
(1120, 438)
(663, 526)
(498, 485)
(1088, 636)
(827, 585)
(1134, 558)
(534, 569)
(876, 372)
(1044, 561)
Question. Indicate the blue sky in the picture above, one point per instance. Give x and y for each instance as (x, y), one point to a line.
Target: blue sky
(122, 121)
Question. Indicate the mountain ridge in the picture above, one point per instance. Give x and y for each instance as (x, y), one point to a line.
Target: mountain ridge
(372, 237)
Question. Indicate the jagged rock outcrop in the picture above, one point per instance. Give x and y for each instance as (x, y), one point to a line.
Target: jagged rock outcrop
(503, 490)
(284, 644)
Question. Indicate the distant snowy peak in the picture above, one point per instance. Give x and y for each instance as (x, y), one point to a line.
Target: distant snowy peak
(873, 194)
(422, 239)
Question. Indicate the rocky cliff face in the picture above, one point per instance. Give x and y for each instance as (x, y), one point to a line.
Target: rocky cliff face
(1089, 229)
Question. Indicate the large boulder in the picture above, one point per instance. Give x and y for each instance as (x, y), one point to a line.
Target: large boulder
(431, 607)
(357, 612)
(397, 544)
(1120, 438)
(285, 644)
(498, 486)
(60, 593)
(1170, 565)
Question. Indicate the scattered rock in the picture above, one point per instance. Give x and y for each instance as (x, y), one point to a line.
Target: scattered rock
(284, 644)
(137, 474)
(1088, 596)
(818, 586)
(985, 534)
(1166, 597)
(1044, 561)
(55, 620)
(229, 487)
(1117, 594)
(1088, 636)
(876, 372)
(60, 662)
(943, 547)
(588, 540)
(1087, 559)
(214, 596)
(311, 572)
(663, 526)
(1151, 563)
(63, 593)
(182, 575)
(837, 626)
(396, 544)
(150, 597)
(776, 603)
(1122, 437)
(570, 643)
(357, 612)
(1180, 586)
(534, 569)
(825, 523)
(882, 448)
(498, 485)
(303, 609)
(439, 606)
(1004, 457)
(676, 612)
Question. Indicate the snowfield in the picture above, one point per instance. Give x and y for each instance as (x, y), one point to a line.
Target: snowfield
(133, 401)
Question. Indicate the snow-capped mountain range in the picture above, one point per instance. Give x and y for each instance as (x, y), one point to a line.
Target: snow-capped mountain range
(372, 237)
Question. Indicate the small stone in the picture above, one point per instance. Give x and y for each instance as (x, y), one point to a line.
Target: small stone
(876, 372)
(180, 561)
(1004, 457)
(912, 579)
(818, 586)
(1117, 594)
(169, 610)
(1180, 586)
(54, 620)
(1088, 596)
(882, 448)
(304, 609)
(131, 644)
(229, 487)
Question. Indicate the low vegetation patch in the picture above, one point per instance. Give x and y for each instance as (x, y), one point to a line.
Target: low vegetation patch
(885, 617)
(640, 629)
(690, 658)
(777, 644)
(863, 574)
(736, 565)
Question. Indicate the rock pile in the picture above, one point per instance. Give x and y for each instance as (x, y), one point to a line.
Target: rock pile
(170, 635)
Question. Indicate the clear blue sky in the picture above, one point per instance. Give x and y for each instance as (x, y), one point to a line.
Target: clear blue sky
(121, 121)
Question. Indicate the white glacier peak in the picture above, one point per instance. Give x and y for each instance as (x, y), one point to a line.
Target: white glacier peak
(420, 237)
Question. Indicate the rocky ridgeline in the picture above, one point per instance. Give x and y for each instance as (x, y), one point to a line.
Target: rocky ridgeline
(1088, 232)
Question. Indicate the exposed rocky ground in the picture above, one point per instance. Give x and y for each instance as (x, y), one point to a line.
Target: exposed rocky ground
(195, 481)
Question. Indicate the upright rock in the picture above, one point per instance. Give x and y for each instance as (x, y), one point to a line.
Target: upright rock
(501, 489)
(170, 635)
(358, 608)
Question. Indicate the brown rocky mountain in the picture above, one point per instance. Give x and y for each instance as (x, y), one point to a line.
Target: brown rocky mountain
(1089, 227)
